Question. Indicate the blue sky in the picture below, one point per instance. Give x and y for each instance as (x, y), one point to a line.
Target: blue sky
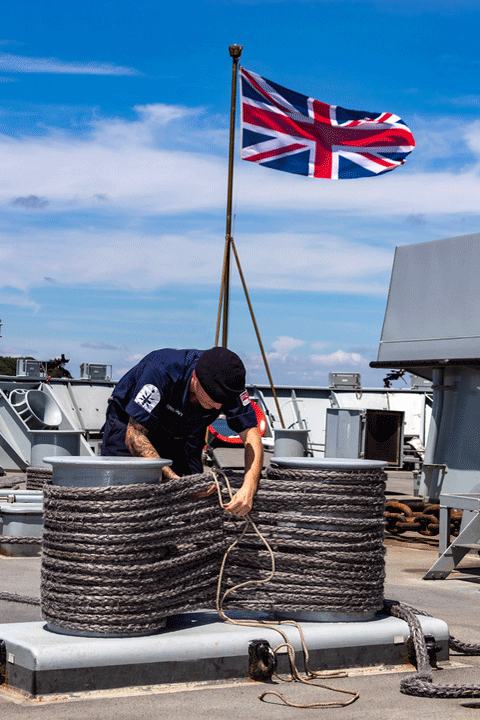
(114, 124)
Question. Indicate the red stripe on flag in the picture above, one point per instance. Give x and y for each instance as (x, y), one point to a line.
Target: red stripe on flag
(378, 160)
(278, 151)
(270, 100)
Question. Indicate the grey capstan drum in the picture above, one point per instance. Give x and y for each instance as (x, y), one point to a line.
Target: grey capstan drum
(324, 520)
(95, 562)
(94, 471)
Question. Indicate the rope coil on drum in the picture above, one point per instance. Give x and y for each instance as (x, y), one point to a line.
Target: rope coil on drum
(326, 530)
(38, 477)
(110, 554)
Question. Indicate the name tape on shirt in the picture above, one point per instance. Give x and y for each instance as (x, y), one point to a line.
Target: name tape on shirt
(148, 397)
(244, 397)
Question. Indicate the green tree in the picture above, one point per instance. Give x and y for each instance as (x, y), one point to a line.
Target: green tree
(8, 365)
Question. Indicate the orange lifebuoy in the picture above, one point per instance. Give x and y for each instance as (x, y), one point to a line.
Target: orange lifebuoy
(219, 427)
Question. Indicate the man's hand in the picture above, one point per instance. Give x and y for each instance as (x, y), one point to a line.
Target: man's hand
(241, 503)
(205, 493)
(168, 473)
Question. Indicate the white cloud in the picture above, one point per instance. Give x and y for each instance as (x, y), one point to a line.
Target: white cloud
(13, 351)
(284, 344)
(167, 161)
(396, 194)
(308, 370)
(148, 130)
(23, 64)
(308, 366)
(98, 345)
(18, 301)
(144, 261)
(472, 137)
(319, 345)
(464, 100)
(117, 159)
(129, 362)
(339, 357)
(317, 261)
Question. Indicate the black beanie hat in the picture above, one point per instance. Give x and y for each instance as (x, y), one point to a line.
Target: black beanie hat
(221, 374)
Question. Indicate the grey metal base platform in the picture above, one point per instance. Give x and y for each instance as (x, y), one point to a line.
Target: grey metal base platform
(194, 647)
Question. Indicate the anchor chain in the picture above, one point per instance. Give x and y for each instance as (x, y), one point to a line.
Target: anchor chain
(401, 518)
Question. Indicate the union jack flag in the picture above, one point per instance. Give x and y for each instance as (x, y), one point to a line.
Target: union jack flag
(285, 130)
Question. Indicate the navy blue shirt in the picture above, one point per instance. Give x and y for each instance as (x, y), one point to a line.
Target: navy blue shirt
(156, 393)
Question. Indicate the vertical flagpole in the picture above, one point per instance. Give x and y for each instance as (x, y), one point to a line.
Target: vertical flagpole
(235, 52)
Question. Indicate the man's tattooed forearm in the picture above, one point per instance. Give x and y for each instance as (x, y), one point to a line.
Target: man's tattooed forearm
(137, 441)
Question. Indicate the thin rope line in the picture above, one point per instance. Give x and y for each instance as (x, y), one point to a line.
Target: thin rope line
(295, 674)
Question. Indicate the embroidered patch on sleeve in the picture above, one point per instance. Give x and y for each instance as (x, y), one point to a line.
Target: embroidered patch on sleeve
(244, 397)
(148, 397)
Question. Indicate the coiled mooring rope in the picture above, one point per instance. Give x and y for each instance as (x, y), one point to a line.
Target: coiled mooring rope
(421, 684)
(118, 560)
(37, 477)
(20, 540)
(14, 597)
(326, 529)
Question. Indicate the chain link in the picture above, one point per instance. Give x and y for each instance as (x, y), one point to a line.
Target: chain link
(401, 518)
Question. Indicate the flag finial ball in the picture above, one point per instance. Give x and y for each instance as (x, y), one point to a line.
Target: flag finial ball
(235, 50)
